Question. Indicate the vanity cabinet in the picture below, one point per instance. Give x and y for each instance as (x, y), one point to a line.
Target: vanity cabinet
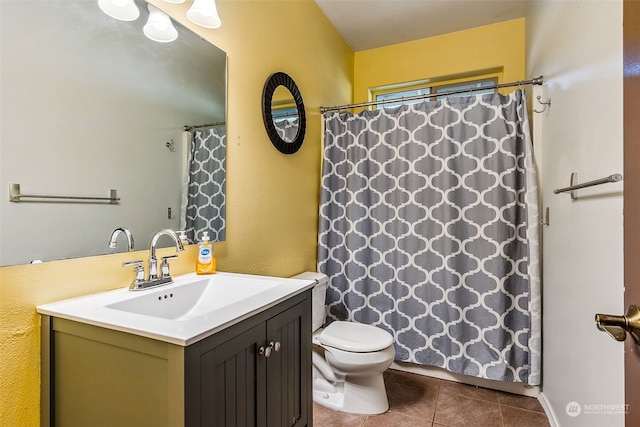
(254, 373)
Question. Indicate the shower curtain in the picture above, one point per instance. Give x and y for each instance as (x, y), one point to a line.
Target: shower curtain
(287, 128)
(429, 230)
(203, 197)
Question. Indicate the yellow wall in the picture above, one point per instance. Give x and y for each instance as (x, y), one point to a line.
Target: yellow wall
(272, 199)
(499, 46)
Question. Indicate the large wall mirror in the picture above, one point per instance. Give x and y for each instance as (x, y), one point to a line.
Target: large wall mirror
(89, 104)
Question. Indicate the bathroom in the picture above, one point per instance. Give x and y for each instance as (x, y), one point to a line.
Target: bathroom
(272, 199)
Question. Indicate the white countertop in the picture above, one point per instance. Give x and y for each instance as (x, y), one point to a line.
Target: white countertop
(94, 309)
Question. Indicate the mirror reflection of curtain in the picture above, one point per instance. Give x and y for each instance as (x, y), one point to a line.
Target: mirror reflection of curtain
(203, 197)
(287, 128)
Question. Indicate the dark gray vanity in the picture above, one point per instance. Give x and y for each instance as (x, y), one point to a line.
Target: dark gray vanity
(254, 372)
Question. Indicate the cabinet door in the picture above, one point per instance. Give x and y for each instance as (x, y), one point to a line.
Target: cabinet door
(234, 378)
(289, 368)
(230, 378)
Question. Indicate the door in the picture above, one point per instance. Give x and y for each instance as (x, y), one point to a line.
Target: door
(631, 18)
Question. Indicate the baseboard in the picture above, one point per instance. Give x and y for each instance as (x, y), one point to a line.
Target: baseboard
(431, 371)
(551, 416)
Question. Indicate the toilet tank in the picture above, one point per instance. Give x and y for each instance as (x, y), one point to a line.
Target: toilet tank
(318, 299)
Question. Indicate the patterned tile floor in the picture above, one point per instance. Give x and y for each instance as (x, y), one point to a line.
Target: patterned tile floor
(419, 401)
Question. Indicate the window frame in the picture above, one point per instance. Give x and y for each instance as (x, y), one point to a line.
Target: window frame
(432, 84)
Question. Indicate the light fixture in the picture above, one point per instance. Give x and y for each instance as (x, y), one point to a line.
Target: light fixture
(204, 13)
(159, 27)
(124, 10)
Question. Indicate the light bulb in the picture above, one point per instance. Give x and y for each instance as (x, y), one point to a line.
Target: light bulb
(124, 10)
(159, 27)
(204, 13)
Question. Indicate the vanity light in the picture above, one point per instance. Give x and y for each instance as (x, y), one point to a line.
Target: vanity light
(159, 27)
(204, 13)
(124, 10)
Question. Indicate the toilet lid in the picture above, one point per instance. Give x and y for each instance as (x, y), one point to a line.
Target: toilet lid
(355, 337)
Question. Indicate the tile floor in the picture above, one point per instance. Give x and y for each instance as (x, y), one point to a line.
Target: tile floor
(419, 401)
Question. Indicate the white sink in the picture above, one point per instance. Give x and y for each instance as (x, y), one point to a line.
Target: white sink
(185, 311)
(193, 298)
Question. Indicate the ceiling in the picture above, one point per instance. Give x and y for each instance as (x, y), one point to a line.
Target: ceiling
(368, 24)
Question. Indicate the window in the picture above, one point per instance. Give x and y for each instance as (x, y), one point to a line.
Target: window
(281, 114)
(433, 89)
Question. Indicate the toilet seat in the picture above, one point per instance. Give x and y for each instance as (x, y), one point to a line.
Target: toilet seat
(355, 337)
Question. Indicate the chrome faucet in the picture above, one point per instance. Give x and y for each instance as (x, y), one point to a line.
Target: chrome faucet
(153, 261)
(139, 281)
(116, 233)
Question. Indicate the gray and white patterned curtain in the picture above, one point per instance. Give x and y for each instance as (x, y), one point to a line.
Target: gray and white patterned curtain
(429, 230)
(287, 128)
(204, 207)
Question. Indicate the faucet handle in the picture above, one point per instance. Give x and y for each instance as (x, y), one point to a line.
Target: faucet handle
(164, 267)
(138, 271)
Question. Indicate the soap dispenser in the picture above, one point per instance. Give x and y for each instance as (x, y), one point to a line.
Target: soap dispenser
(206, 263)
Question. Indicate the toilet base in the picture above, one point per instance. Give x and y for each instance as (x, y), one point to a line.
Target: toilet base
(356, 395)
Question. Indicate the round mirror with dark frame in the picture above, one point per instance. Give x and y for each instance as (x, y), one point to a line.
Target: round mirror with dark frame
(283, 113)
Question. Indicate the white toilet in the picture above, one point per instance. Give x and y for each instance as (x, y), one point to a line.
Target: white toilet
(349, 359)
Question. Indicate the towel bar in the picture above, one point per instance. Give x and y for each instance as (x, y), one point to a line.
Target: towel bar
(16, 196)
(572, 187)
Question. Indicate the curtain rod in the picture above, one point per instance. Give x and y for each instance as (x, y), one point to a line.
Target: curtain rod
(536, 81)
(188, 128)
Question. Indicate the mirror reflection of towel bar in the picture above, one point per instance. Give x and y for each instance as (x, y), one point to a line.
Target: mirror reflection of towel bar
(572, 187)
(16, 196)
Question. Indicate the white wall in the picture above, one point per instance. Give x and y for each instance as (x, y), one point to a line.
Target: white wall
(577, 46)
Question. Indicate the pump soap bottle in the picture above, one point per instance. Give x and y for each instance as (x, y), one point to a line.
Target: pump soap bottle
(206, 263)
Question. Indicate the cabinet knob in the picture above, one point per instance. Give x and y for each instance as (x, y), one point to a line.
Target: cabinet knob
(266, 352)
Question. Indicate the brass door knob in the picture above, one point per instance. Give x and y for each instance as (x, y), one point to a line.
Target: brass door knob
(618, 326)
